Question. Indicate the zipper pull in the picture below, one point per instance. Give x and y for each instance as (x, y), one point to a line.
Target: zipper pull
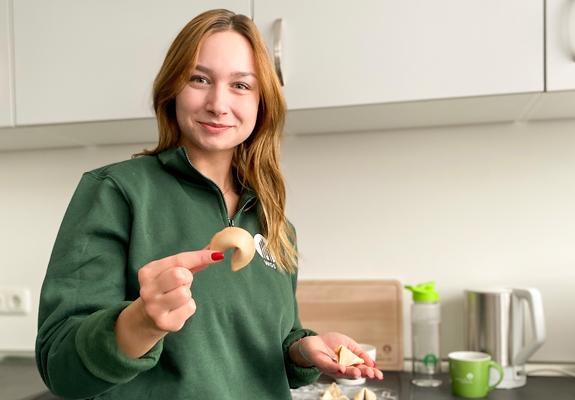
(230, 222)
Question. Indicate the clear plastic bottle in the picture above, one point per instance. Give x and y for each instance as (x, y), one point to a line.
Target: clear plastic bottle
(425, 320)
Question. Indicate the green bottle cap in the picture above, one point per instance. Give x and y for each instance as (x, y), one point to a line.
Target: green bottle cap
(424, 292)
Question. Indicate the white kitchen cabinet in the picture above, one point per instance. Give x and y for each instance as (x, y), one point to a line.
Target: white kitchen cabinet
(6, 106)
(558, 99)
(560, 45)
(388, 51)
(95, 60)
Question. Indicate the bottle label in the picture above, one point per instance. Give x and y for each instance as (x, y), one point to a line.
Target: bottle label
(430, 360)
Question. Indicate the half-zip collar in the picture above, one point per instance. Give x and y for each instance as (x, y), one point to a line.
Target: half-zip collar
(176, 161)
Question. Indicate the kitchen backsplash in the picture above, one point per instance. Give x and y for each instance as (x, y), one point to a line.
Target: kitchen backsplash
(469, 206)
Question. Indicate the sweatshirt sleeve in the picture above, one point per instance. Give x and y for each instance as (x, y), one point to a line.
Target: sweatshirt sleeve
(298, 376)
(84, 292)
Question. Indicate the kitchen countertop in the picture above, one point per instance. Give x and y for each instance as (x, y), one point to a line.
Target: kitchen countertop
(19, 380)
(537, 388)
(397, 386)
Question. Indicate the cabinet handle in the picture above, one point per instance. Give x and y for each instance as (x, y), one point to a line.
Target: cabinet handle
(277, 34)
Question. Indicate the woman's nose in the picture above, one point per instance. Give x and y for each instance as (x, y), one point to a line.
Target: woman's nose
(217, 100)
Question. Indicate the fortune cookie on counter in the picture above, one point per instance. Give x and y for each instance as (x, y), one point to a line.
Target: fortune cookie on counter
(346, 357)
(333, 392)
(238, 238)
(365, 394)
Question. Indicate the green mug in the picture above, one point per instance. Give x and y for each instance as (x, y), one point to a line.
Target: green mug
(469, 372)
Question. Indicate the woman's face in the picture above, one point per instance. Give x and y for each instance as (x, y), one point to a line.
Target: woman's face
(217, 109)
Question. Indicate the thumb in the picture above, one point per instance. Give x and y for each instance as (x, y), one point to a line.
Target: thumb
(328, 365)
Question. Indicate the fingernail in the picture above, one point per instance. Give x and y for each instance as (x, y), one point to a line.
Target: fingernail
(217, 256)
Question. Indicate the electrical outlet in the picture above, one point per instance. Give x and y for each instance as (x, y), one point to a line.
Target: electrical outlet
(14, 300)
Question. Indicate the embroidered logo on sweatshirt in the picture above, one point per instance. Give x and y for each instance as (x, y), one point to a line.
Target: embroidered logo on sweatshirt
(261, 248)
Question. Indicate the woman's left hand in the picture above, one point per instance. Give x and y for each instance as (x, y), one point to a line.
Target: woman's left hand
(319, 351)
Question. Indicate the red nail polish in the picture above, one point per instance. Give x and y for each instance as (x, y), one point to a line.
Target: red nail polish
(217, 256)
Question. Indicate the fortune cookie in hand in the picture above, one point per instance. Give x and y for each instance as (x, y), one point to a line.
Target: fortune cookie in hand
(238, 238)
(346, 357)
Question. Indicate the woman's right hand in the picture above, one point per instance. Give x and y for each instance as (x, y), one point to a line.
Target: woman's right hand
(166, 288)
(165, 301)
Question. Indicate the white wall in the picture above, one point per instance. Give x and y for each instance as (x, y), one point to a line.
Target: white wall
(488, 205)
(35, 188)
(465, 206)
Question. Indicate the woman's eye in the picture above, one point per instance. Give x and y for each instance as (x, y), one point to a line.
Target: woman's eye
(199, 79)
(241, 85)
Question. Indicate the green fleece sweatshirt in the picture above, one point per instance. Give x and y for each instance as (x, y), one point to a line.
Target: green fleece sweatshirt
(120, 218)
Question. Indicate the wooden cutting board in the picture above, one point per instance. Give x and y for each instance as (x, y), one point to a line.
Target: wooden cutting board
(368, 311)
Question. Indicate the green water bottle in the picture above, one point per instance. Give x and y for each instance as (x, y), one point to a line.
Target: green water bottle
(425, 320)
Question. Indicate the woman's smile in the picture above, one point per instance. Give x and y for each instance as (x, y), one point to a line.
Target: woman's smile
(213, 127)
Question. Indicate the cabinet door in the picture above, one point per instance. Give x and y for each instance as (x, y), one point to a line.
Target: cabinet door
(5, 66)
(95, 60)
(560, 45)
(378, 51)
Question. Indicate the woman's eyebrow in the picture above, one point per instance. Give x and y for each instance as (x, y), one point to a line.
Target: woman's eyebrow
(207, 70)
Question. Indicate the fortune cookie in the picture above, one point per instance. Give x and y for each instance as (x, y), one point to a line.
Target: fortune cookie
(365, 394)
(346, 358)
(238, 238)
(333, 392)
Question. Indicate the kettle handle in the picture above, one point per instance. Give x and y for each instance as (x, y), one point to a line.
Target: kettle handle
(533, 297)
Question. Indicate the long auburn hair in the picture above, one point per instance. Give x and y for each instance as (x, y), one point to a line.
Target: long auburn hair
(256, 160)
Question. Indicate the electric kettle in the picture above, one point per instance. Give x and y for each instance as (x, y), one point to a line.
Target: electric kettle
(496, 324)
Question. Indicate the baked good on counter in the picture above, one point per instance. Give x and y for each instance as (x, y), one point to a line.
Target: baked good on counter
(333, 392)
(238, 238)
(365, 394)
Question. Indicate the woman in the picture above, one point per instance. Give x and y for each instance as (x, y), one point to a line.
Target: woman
(119, 318)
